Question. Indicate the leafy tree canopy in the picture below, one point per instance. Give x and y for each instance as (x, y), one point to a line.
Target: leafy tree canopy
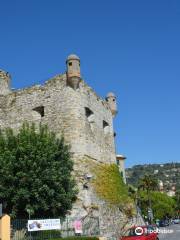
(148, 182)
(177, 201)
(35, 173)
(162, 205)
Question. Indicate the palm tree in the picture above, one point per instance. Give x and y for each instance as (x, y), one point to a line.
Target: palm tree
(148, 183)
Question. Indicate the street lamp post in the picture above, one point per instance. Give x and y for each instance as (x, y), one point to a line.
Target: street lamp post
(29, 211)
(0, 209)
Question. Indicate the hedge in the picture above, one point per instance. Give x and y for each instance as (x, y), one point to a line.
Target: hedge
(77, 238)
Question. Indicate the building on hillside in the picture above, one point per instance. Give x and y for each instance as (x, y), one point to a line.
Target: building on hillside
(156, 171)
(172, 191)
(161, 185)
(120, 159)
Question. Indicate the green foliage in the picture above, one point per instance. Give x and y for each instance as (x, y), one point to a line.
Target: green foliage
(35, 173)
(177, 202)
(162, 205)
(132, 191)
(77, 238)
(47, 234)
(148, 182)
(163, 170)
(109, 184)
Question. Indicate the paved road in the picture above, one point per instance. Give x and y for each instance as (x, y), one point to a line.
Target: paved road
(170, 233)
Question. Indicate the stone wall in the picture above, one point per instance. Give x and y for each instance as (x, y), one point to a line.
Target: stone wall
(85, 120)
(112, 221)
(78, 114)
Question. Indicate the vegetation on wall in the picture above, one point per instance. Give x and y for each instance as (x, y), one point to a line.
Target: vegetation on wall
(35, 173)
(109, 185)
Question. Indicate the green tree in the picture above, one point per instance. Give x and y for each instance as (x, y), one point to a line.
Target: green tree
(162, 205)
(177, 202)
(148, 183)
(35, 173)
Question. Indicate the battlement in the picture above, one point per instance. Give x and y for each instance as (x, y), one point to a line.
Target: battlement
(4, 75)
(67, 105)
(5, 79)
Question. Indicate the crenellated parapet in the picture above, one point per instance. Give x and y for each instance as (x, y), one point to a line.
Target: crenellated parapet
(5, 79)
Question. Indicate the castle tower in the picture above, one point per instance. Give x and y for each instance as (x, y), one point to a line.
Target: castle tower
(4, 83)
(73, 71)
(111, 100)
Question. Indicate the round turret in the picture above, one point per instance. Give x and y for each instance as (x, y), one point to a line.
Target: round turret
(73, 71)
(110, 94)
(111, 100)
(73, 57)
(5, 79)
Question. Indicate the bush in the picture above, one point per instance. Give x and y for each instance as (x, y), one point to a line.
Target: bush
(46, 234)
(77, 238)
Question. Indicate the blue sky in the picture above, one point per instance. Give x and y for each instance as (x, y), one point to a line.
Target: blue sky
(129, 47)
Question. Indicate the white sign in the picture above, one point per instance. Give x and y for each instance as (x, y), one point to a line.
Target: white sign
(45, 224)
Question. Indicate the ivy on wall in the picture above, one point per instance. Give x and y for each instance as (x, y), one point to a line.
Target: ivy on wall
(109, 185)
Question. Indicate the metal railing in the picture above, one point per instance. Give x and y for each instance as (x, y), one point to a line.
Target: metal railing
(19, 231)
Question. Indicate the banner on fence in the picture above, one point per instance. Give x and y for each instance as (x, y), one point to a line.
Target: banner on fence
(44, 224)
(78, 227)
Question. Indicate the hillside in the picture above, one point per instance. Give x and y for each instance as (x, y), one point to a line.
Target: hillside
(168, 173)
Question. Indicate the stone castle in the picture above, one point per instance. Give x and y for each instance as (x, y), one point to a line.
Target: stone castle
(69, 106)
(66, 104)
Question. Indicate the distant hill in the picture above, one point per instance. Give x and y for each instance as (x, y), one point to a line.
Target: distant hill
(168, 173)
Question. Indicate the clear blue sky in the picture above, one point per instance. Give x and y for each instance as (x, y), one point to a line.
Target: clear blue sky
(130, 47)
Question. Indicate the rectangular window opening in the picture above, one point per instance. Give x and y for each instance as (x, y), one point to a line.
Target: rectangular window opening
(105, 127)
(39, 110)
(89, 114)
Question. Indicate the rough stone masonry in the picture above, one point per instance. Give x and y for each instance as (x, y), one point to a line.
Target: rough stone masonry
(67, 105)
(70, 107)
